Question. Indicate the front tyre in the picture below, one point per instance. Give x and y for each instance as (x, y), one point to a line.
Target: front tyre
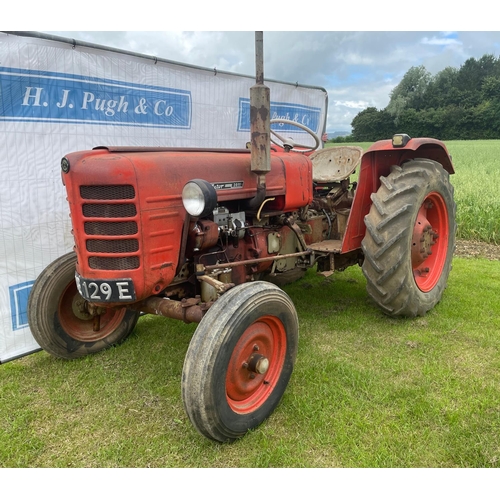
(240, 360)
(410, 238)
(60, 321)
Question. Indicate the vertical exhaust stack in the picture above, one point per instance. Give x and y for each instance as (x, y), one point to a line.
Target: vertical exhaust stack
(260, 128)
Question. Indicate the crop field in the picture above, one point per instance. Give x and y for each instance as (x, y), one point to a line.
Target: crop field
(477, 188)
(367, 391)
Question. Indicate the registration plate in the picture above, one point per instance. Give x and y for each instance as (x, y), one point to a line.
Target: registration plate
(105, 290)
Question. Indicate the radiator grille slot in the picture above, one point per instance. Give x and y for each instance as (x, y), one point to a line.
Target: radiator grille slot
(114, 263)
(112, 246)
(110, 228)
(105, 211)
(123, 192)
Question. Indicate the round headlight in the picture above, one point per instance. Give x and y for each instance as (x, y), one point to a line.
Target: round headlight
(199, 198)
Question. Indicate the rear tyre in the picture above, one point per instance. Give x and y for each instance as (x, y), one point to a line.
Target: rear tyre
(240, 360)
(410, 238)
(60, 322)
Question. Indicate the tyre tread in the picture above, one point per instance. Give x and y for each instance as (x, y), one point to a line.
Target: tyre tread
(387, 242)
(210, 338)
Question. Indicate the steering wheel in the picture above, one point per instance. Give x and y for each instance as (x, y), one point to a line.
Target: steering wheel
(290, 143)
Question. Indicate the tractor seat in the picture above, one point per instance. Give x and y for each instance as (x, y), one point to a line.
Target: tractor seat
(335, 164)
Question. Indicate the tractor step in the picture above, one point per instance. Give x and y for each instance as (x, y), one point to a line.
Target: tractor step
(327, 246)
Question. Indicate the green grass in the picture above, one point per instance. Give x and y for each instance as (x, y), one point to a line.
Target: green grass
(367, 390)
(477, 188)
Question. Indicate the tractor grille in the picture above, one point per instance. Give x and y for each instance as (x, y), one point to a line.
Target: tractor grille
(125, 192)
(114, 263)
(109, 211)
(112, 246)
(110, 227)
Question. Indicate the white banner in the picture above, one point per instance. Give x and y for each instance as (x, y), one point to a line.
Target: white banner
(57, 97)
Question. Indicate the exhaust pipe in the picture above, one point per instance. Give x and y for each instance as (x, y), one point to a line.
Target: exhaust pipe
(260, 128)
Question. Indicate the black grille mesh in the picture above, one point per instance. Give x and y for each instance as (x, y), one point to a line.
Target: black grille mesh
(110, 228)
(106, 211)
(119, 229)
(114, 263)
(123, 192)
(112, 246)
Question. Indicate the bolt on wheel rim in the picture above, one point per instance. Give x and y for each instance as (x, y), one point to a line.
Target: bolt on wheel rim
(430, 242)
(255, 365)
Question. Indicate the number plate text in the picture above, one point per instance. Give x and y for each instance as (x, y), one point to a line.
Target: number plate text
(105, 290)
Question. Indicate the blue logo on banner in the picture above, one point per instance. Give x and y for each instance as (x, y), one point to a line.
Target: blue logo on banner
(305, 115)
(19, 304)
(59, 97)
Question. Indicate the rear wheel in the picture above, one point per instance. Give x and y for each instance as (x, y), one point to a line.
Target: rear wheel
(410, 238)
(240, 360)
(60, 320)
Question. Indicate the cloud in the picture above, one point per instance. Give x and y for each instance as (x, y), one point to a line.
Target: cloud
(358, 68)
(359, 105)
(440, 41)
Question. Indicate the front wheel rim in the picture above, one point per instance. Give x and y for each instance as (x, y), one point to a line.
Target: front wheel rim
(255, 365)
(80, 327)
(430, 242)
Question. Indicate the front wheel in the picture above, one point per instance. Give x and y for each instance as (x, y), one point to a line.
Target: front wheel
(60, 320)
(410, 238)
(240, 360)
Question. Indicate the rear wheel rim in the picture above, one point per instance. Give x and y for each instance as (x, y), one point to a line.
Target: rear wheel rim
(430, 242)
(77, 326)
(262, 346)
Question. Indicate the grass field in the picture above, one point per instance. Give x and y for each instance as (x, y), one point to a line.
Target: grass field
(367, 390)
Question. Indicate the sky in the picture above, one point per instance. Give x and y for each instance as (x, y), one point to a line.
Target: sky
(358, 69)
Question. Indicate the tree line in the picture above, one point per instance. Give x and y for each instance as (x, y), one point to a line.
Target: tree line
(454, 104)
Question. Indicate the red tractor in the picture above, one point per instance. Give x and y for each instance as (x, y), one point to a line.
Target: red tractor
(207, 236)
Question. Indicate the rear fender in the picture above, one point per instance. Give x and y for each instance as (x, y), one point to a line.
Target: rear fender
(377, 162)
